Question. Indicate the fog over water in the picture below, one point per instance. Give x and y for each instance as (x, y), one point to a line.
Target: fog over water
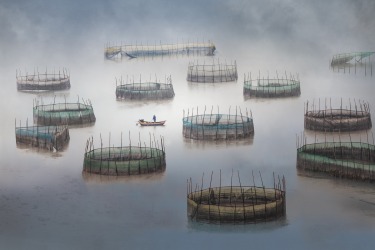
(46, 202)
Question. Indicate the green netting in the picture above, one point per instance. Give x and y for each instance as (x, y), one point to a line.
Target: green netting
(124, 160)
(271, 87)
(134, 51)
(63, 113)
(217, 126)
(345, 159)
(332, 120)
(49, 137)
(347, 57)
(236, 204)
(212, 73)
(145, 90)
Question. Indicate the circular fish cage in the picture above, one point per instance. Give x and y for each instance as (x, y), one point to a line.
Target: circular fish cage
(217, 126)
(145, 90)
(351, 160)
(338, 120)
(43, 81)
(266, 88)
(128, 160)
(64, 114)
(211, 73)
(236, 204)
(47, 137)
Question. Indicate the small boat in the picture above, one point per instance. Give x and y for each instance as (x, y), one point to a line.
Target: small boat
(146, 123)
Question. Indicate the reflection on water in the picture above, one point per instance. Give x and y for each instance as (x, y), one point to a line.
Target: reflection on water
(261, 227)
(209, 85)
(361, 68)
(212, 144)
(42, 151)
(103, 179)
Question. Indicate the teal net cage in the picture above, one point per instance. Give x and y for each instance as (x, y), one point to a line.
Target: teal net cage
(149, 90)
(124, 160)
(211, 126)
(351, 117)
(348, 57)
(350, 160)
(63, 113)
(48, 81)
(271, 87)
(46, 137)
(212, 72)
(353, 63)
(157, 50)
(236, 204)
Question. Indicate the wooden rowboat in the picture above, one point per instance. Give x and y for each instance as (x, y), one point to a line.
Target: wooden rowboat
(146, 123)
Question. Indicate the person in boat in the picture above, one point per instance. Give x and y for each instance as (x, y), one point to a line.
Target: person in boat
(154, 118)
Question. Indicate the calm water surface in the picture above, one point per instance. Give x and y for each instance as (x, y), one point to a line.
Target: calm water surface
(46, 202)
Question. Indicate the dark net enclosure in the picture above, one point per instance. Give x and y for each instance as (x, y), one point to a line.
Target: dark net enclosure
(351, 160)
(271, 87)
(145, 90)
(217, 126)
(64, 113)
(46, 137)
(236, 204)
(127, 160)
(48, 81)
(211, 73)
(354, 117)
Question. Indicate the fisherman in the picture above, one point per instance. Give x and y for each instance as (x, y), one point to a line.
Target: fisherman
(154, 118)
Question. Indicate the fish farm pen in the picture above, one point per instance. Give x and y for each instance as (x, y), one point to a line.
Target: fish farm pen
(351, 160)
(274, 87)
(218, 126)
(211, 73)
(124, 160)
(47, 137)
(353, 62)
(64, 113)
(356, 117)
(43, 81)
(347, 57)
(157, 50)
(145, 90)
(236, 204)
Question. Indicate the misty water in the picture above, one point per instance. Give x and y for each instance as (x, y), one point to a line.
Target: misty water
(46, 202)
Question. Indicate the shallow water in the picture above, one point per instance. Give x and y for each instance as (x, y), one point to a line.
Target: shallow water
(46, 202)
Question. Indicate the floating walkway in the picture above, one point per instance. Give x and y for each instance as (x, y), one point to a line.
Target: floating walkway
(145, 90)
(236, 204)
(212, 73)
(64, 113)
(43, 81)
(128, 160)
(46, 137)
(217, 126)
(157, 50)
